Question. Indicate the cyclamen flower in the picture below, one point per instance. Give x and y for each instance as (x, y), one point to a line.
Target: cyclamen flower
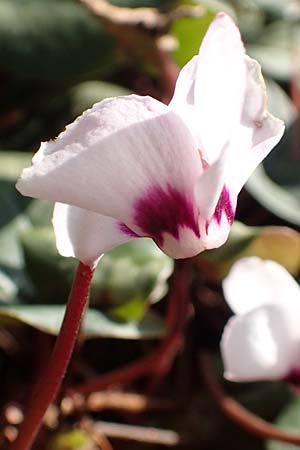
(262, 341)
(132, 167)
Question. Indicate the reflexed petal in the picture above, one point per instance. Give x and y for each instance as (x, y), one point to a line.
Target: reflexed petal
(184, 101)
(256, 134)
(214, 82)
(254, 282)
(259, 346)
(118, 154)
(84, 234)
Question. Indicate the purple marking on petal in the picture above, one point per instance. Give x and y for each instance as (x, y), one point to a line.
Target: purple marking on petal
(127, 231)
(161, 211)
(224, 205)
(293, 377)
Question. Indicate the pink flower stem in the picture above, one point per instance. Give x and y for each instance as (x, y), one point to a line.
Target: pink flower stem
(51, 378)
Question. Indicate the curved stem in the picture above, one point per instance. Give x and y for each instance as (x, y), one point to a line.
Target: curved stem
(238, 413)
(51, 378)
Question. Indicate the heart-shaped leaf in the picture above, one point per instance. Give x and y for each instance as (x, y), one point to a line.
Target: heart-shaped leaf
(126, 280)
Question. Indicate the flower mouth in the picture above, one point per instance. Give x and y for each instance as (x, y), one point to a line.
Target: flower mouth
(293, 377)
(159, 211)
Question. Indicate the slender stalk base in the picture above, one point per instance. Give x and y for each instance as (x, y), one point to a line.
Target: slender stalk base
(50, 380)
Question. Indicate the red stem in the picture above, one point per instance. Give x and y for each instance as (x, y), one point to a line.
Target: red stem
(50, 380)
(238, 413)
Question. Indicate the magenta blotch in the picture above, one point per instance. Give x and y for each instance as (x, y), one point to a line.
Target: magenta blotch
(127, 231)
(293, 377)
(224, 205)
(164, 210)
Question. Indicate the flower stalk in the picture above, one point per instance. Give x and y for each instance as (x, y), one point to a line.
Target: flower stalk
(51, 378)
(237, 413)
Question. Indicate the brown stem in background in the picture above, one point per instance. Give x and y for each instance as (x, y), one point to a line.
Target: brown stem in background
(238, 413)
(148, 435)
(149, 27)
(159, 361)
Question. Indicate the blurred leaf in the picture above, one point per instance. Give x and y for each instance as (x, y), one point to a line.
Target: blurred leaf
(126, 280)
(50, 273)
(52, 40)
(266, 399)
(288, 420)
(276, 184)
(131, 277)
(281, 244)
(84, 95)
(40, 212)
(279, 103)
(48, 318)
(12, 163)
(277, 50)
(189, 32)
(250, 19)
(12, 206)
(10, 252)
(8, 288)
(161, 4)
(71, 440)
(278, 8)
(216, 6)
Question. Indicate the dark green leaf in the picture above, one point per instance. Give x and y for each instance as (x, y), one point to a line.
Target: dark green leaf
(162, 4)
(126, 280)
(52, 40)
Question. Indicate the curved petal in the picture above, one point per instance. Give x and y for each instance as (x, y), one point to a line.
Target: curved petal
(256, 134)
(184, 101)
(254, 282)
(259, 346)
(86, 235)
(130, 158)
(214, 83)
(253, 138)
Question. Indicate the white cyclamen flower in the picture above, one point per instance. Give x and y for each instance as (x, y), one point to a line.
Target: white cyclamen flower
(133, 167)
(262, 341)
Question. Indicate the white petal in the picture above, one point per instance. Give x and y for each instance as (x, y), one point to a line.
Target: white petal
(86, 235)
(184, 101)
(254, 282)
(256, 134)
(130, 158)
(214, 83)
(259, 346)
(220, 86)
(216, 204)
(253, 138)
